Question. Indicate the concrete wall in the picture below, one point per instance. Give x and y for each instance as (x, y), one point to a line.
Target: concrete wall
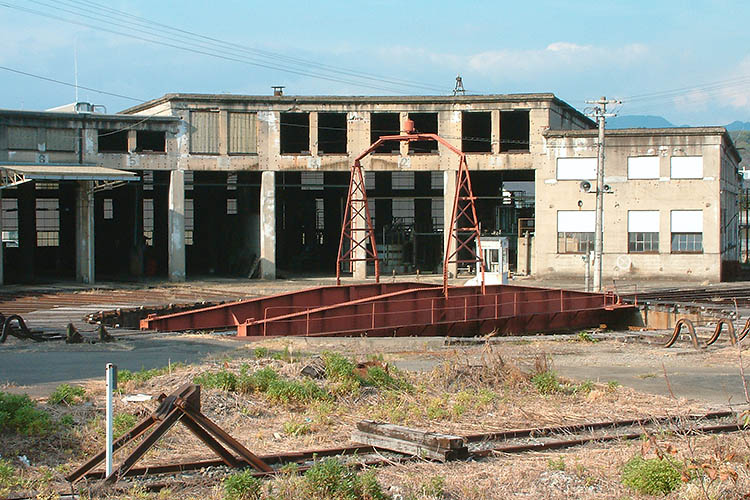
(715, 191)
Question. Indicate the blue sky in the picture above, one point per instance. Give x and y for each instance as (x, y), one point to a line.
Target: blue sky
(577, 50)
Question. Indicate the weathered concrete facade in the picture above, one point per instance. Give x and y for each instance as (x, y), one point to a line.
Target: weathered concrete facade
(234, 184)
(669, 186)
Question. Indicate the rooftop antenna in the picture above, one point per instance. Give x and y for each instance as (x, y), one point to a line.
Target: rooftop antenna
(75, 64)
(459, 88)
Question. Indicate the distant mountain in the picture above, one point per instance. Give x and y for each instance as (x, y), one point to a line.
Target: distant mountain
(652, 121)
(638, 121)
(738, 125)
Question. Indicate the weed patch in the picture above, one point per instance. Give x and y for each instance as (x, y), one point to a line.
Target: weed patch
(546, 382)
(655, 476)
(67, 394)
(143, 375)
(223, 380)
(332, 479)
(242, 486)
(19, 413)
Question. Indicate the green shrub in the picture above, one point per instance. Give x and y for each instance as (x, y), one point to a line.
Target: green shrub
(67, 421)
(261, 352)
(296, 428)
(655, 476)
(242, 486)
(223, 380)
(433, 487)
(8, 477)
(584, 387)
(546, 382)
(67, 394)
(331, 479)
(258, 381)
(291, 391)
(19, 413)
(586, 337)
(122, 423)
(338, 367)
(378, 377)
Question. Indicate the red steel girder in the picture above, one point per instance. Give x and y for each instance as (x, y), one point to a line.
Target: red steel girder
(352, 237)
(464, 212)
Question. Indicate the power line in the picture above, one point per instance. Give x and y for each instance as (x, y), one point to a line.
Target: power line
(191, 46)
(40, 77)
(263, 53)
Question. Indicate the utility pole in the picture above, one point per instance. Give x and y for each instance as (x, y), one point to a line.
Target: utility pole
(600, 113)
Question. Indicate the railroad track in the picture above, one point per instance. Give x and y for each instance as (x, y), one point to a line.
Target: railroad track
(479, 446)
(709, 296)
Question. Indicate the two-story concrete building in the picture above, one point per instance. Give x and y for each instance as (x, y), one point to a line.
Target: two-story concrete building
(219, 183)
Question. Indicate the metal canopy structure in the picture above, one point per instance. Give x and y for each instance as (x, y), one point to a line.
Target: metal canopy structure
(12, 175)
(464, 226)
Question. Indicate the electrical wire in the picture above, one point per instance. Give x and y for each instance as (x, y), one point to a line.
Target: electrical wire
(193, 47)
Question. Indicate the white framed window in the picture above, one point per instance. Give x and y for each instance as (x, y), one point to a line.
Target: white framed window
(643, 231)
(643, 167)
(687, 231)
(47, 222)
(686, 167)
(575, 231)
(436, 180)
(231, 206)
(10, 222)
(312, 181)
(402, 180)
(189, 221)
(108, 209)
(148, 221)
(576, 169)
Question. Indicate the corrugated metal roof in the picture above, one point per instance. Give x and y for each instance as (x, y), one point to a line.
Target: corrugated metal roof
(70, 172)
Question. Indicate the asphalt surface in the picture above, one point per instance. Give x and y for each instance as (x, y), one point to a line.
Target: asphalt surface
(38, 368)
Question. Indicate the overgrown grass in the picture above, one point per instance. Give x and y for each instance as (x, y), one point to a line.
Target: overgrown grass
(143, 375)
(67, 394)
(329, 480)
(243, 486)
(20, 414)
(655, 476)
(546, 382)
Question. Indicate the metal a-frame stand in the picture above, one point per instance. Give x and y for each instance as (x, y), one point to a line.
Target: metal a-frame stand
(183, 405)
(464, 227)
(356, 238)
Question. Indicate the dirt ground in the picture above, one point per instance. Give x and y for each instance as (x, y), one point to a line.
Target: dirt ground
(457, 389)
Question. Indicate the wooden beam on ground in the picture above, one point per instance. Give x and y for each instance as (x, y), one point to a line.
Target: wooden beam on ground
(415, 442)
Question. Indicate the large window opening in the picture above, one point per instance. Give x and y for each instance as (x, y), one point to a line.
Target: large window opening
(424, 123)
(295, 133)
(47, 222)
(243, 133)
(204, 132)
(150, 141)
(385, 124)
(113, 141)
(148, 221)
(332, 133)
(10, 222)
(514, 131)
(476, 132)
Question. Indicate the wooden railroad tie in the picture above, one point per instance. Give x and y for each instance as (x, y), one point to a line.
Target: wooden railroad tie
(415, 442)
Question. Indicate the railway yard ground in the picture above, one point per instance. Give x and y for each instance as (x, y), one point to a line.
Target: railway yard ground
(640, 420)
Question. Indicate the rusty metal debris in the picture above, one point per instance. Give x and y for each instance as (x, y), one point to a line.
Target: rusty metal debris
(21, 331)
(720, 324)
(183, 405)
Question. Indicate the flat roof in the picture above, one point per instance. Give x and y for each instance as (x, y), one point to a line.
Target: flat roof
(338, 99)
(648, 132)
(15, 115)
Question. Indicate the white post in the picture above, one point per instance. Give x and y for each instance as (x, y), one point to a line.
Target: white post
(111, 375)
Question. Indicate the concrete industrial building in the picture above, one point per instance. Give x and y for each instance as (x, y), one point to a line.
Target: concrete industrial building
(224, 181)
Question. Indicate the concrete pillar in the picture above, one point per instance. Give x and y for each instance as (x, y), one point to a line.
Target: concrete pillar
(85, 232)
(313, 120)
(268, 225)
(176, 225)
(495, 124)
(449, 195)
